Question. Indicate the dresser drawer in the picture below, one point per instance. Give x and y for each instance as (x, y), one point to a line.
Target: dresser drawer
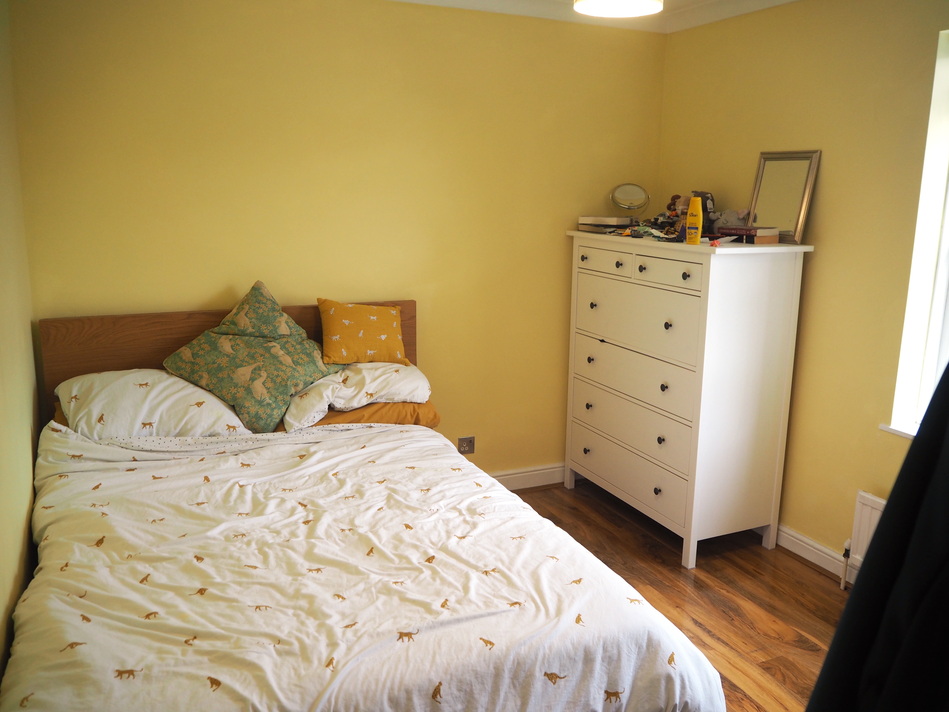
(661, 438)
(671, 388)
(606, 261)
(670, 273)
(655, 488)
(654, 321)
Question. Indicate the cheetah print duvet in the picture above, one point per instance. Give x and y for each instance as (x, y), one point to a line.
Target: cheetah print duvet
(342, 568)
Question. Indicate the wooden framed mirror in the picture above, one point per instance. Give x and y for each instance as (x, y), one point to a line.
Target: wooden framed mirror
(784, 186)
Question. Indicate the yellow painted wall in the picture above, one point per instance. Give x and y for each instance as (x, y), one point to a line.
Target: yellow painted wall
(854, 79)
(17, 385)
(176, 152)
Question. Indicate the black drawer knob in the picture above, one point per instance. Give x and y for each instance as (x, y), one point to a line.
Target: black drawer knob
(642, 268)
(619, 265)
(593, 305)
(589, 406)
(667, 325)
(583, 258)
(656, 491)
(590, 359)
(660, 440)
(586, 451)
(686, 276)
(663, 387)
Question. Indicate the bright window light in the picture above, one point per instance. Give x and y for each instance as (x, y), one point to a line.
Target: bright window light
(924, 351)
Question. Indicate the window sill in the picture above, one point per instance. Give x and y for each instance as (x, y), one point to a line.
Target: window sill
(897, 431)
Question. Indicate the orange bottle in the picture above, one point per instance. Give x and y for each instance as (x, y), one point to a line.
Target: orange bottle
(693, 222)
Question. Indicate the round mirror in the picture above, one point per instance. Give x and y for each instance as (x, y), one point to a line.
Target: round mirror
(629, 196)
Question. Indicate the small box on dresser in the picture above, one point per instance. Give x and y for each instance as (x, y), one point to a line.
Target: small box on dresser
(681, 359)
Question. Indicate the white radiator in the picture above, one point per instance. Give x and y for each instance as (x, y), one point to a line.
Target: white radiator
(865, 518)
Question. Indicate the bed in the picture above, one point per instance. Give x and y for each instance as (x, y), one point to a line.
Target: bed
(341, 566)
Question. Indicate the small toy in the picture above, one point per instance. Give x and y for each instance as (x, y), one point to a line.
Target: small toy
(708, 206)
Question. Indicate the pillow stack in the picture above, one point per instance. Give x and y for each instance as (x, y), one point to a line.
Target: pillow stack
(252, 367)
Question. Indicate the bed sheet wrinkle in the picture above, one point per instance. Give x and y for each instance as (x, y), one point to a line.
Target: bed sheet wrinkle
(338, 568)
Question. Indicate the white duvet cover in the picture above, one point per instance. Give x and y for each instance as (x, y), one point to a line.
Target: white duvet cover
(361, 568)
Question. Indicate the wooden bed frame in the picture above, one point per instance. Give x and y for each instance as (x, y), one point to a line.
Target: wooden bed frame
(72, 346)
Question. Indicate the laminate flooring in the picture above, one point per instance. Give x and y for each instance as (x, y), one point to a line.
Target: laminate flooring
(763, 618)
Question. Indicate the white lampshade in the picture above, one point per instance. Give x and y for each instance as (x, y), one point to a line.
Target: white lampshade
(617, 8)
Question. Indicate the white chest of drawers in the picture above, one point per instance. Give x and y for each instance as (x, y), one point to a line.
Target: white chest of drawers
(681, 360)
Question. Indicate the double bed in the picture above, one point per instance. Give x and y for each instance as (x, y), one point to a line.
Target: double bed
(326, 566)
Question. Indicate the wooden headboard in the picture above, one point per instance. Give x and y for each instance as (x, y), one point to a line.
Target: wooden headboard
(72, 346)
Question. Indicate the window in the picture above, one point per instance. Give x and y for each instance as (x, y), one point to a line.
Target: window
(924, 352)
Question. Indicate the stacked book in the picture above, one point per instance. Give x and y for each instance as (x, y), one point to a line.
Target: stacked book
(752, 234)
(603, 224)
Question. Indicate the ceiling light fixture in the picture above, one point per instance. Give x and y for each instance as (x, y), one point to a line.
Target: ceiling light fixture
(617, 8)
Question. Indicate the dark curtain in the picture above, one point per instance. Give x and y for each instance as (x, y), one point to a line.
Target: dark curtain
(891, 648)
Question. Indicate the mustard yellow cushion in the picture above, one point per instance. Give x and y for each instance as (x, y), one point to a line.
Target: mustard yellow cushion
(359, 333)
(393, 413)
(386, 413)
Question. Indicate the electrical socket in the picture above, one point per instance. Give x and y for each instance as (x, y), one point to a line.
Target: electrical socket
(466, 445)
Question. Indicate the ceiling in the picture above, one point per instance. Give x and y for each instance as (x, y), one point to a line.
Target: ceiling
(676, 15)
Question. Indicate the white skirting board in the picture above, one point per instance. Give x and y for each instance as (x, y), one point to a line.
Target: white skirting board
(808, 549)
(866, 516)
(533, 477)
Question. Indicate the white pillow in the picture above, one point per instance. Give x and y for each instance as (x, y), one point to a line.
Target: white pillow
(364, 383)
(357, 385)
(144, 402)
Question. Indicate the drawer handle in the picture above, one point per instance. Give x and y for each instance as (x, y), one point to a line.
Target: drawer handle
(663, 387)
(589, 406)
(660, 440)
(590, 359)
(586, 451)
(657, 491)
(593, 305)
(583, 258)
(619, 265)
(642, 268)
(667, 325)
(685, 276)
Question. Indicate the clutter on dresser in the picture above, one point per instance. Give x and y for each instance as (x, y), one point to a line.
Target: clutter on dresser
(671, 223)
(752, 234)
(692, 218)
(603, 225)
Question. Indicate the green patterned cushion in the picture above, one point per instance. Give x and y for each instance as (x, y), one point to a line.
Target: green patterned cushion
(255, 360)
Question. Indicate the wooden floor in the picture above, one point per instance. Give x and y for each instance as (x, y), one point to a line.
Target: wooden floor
(763, 618)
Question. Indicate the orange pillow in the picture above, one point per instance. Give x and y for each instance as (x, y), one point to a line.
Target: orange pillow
(360, 333)
(396, 413)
